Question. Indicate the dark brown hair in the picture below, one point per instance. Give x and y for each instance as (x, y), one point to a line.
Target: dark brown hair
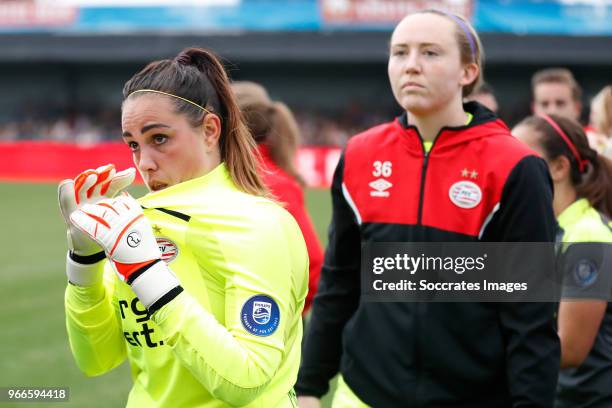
(595, 183)
(197, 75)
(271, 123)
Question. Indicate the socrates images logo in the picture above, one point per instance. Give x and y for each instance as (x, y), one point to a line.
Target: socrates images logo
(260, 315)
(169, 250)
(465, 194)
(380, 186)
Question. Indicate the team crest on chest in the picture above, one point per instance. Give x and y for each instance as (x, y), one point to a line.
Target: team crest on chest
(169, 250)
(465, 194)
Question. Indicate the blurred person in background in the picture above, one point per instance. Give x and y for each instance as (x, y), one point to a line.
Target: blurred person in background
(393, 184)
(583, 205)
(276, 132)
(556, 92)
(601, 121)
(201, 283)
(485, 95)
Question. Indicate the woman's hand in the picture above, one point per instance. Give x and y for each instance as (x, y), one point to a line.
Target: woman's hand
(89, 187)
(120, 228)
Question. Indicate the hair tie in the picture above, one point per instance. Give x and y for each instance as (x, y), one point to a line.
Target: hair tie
(581, 163)
(169, 94)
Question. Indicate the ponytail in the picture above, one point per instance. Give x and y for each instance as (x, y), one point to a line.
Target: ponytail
(237, 145)
(596, 184)
(272, 125)
(283, 140)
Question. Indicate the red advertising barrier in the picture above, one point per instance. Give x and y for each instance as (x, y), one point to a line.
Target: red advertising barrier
(317, 164)
(53, 161)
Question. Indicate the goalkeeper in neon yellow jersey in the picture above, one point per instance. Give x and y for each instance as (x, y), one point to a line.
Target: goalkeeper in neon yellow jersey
(583, 206)
(201, 283)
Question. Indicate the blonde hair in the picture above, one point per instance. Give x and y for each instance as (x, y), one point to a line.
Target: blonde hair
(603, 100)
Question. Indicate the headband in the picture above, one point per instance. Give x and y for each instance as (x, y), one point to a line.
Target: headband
(581, 163)
(466, 30)
(174, 96)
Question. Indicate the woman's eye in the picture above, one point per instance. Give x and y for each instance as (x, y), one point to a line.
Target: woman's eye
(398, 53)
(430, 53)
(133, 146)
(160, 139)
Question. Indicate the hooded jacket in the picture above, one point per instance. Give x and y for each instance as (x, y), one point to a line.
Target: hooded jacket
(476, 183)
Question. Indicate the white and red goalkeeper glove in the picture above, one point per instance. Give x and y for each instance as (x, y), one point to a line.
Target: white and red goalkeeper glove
(121, 229)
(88, 187)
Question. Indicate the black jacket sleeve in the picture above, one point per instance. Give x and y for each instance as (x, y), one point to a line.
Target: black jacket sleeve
(337, 297)
(532, 345)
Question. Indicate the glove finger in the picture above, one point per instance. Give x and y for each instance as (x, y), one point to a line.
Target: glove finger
(82, 183)
(106, 168)
(119, 182)
(85, 223)
(104, 173)
(66, 198)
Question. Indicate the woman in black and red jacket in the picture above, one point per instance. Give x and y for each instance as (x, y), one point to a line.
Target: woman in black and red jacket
(443, 171)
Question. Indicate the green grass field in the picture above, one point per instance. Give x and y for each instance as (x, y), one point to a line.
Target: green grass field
(34, 346)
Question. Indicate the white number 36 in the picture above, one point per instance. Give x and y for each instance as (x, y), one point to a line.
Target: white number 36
(382, 168)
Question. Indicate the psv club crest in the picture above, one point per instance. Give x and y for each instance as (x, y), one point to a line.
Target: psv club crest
(169, 250)
(465, 194)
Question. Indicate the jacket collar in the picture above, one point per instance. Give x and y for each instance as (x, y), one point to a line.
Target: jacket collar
(190, 190)
(575, 211)
(484, 123)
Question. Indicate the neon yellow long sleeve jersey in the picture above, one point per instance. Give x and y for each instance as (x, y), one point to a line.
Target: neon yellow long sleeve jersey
(232, 337)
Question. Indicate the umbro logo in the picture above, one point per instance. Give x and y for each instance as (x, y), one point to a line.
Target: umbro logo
(380, 186)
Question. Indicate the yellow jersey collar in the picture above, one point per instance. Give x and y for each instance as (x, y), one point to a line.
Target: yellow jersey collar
(219, 177)
(574, 212)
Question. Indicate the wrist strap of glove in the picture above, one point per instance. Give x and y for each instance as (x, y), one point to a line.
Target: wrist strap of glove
(86, 273)
(87, 259)
(155, 286)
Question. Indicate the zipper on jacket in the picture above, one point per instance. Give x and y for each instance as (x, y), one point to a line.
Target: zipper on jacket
(422, 187)
(418, 397)
(424, 168)
(424, 172)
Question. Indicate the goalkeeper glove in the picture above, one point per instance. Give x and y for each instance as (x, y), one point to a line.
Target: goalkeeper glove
(88, 187)
(119, 226)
